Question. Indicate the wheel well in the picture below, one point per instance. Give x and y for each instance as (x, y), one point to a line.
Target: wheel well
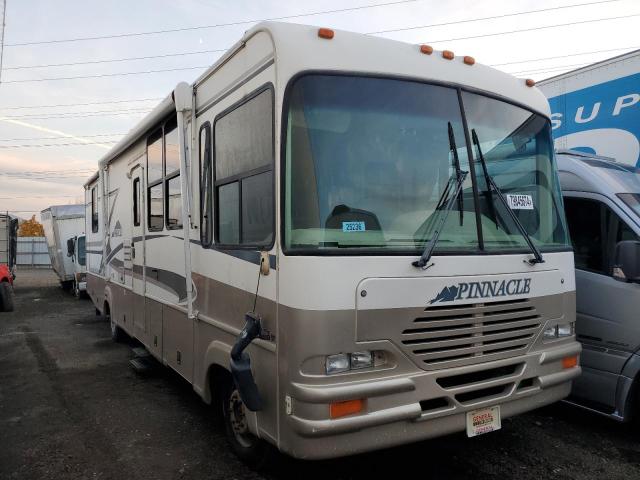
(219, 377)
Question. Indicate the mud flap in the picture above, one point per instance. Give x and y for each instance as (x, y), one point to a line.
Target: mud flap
(240, 364)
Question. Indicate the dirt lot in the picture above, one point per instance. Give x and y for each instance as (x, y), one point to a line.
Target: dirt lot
(71, 407)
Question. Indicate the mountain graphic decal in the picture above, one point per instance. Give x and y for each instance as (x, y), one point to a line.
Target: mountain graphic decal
(448, 294)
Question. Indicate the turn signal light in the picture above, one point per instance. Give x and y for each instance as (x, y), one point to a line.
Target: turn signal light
(570, 362)
(326, 33)
(426, 49)
(448, 54)
(469, 60)
(342, 409)
(530, 82)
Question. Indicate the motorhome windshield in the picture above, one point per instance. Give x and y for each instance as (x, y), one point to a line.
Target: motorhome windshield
(369, 161)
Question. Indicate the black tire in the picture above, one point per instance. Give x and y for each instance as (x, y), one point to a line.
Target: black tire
(251, 450)
(6, 297)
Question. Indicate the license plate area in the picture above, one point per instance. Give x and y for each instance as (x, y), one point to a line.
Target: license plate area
(483, 420)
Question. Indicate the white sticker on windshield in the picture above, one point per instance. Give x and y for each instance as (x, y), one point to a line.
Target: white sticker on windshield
(353, 227)
(520, 202)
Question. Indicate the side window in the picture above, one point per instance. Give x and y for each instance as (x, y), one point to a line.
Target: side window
(243, 139)
(206, 187)
(587, 223)
(595, 230)
(164, 195)
(172, 176)
(154, 200)
(155, 217)
(94, 210)
(136, 201)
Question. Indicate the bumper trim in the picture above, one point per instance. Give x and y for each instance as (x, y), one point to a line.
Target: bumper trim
(328, 394)
(322, 428)
(549, 356)
(557, 378)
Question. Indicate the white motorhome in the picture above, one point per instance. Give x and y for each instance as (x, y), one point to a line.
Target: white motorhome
(307, 178)
(64, 231)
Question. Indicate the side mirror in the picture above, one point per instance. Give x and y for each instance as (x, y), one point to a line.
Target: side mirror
(626, 267)
(70, 247)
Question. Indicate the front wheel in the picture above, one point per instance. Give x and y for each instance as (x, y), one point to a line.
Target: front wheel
(252, 450)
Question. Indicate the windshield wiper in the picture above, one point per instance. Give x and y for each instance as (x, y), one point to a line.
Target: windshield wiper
(491, 185)
(456, 164)
(446, 201)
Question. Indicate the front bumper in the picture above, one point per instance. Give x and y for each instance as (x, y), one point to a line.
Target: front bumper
(422, 405)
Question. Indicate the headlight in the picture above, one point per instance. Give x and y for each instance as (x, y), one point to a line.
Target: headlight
(337, 363)
(361, 359)
(561, 330)
(343, 362)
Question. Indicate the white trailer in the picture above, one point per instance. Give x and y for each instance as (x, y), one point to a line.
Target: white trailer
(596, 109)
(64, 231)
(305, 178)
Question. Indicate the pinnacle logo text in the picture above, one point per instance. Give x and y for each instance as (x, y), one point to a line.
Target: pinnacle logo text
(472, 290)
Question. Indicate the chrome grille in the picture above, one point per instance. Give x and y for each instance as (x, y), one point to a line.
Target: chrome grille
(450, 336)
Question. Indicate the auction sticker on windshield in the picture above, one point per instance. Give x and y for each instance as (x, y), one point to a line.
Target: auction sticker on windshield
(353, 227)
(520, 202)
(484, 420)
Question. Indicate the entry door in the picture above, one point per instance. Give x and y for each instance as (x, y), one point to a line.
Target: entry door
(137, 252)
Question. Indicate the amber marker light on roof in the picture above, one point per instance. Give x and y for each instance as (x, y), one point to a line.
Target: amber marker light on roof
(426, 49)
(326, 33)
(530, 82)
(469, 60)
(448, 54)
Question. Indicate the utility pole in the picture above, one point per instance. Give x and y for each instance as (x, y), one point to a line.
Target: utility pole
(4, 15)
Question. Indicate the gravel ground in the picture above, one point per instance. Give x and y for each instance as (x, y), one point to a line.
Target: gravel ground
(71, 407)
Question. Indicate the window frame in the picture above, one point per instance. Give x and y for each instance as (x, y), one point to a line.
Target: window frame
(95, 219)
(239, 177)
(206, 236)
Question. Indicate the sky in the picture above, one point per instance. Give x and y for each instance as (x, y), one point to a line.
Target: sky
(39, 106)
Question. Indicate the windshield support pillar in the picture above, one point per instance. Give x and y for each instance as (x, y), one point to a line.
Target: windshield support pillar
(472, 171)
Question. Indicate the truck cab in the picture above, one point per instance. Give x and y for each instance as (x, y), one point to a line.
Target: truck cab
(76, 250)
(602, 204)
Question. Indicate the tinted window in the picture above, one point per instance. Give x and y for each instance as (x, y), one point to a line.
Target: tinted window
(94, 210)
(206, 187)
(156, 217)
(154, 157)
(244, 137)
(228, 215)
(172, 148)
(136, 202)
(243, 167)
(586, 223)
(174, 203)
(82, 252)
(257, 209)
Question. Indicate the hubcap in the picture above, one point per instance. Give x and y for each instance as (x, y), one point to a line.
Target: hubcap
(238, 419)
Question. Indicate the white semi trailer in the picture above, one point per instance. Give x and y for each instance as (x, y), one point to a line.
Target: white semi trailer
(64, 231)
(596, 109)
